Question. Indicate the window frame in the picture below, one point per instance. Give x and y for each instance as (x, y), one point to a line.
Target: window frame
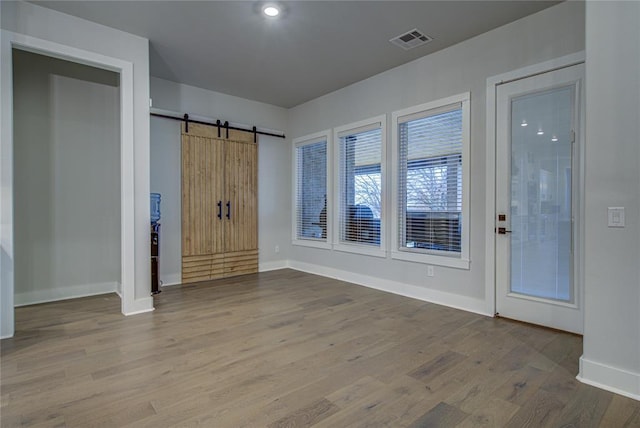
(323, 136)
(458, 260)
(355, 127)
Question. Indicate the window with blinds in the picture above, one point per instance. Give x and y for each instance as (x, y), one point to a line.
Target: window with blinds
(430, 194)
(360, 184)
(311, 191)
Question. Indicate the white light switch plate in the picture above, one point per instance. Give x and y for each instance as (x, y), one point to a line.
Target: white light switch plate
(616, 216)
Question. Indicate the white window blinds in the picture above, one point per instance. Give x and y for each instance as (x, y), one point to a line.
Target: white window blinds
(360, 179)
(430, 180)
(311, 191)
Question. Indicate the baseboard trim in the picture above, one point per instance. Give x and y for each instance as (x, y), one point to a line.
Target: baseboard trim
(64, 293)
(277, 265)
(609, 378)
(140, 306)
(171, 279)
(455, 301)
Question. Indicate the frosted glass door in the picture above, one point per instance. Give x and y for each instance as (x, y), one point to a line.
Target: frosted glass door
(541, 208)
(537, 152)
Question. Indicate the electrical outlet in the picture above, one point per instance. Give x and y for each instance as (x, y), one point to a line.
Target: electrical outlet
(616, 217)
(430, 271)
(277, 249)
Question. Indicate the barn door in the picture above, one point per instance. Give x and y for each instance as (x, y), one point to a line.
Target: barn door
(241, 187)
(202, 210)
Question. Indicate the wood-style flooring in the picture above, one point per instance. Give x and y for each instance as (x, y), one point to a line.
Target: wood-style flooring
(289, 349)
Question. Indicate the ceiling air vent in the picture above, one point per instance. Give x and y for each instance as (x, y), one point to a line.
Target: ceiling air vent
(411, 39)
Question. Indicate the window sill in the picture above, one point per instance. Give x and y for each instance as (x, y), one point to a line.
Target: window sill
(312, 243)
(432, 259)
(364, 250)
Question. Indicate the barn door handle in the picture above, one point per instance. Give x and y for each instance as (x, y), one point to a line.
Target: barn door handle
(220, 210)
(228, 209)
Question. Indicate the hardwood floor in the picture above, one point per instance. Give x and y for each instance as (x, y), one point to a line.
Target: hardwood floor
(289, 349)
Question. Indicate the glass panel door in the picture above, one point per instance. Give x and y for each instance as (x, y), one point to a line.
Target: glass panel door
(536, 199)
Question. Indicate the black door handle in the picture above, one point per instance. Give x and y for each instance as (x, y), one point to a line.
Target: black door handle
(228, 209)
(220, 210)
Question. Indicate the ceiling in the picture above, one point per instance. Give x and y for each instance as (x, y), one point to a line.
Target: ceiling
(314, 48)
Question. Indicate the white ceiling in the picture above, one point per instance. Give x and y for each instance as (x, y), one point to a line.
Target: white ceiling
(317, 46)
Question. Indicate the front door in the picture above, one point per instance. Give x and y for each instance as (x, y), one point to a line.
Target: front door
(537, 177)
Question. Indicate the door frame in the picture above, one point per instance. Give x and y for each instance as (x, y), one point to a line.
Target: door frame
(490, 178)
(8, 41)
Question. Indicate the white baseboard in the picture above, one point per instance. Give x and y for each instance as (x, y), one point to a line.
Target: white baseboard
(140, 306)
(278, 264)
(456, 301)
(64, 293)
(171, 279)
(609, 378)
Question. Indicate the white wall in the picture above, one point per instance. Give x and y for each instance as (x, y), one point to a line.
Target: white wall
(549, 34)
(273, 168)
(67, 179)
(77, 38)
(611, 356)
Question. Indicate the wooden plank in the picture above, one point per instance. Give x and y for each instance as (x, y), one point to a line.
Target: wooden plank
(543, 409)
(307, 416)
(587, 408)
(437, 366)
(442, 415)
(241, 262)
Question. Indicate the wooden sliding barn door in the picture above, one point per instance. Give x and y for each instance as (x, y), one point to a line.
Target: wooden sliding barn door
(219, 204)
(241, 229)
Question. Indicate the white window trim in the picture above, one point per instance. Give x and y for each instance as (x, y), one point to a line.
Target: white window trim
(300, 142)
(462, 261)
(364, 249)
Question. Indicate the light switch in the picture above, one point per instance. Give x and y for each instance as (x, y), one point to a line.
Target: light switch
(616, 216)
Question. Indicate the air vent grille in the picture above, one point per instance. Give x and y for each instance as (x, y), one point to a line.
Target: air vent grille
(411, 39)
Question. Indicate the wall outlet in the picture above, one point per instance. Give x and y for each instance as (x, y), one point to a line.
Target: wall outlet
(616, 216)
(430, 271)
(277, 249)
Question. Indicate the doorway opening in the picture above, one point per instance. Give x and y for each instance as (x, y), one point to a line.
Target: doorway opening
(66, 122)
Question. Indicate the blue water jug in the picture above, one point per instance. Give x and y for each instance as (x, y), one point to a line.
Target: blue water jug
(155, 207)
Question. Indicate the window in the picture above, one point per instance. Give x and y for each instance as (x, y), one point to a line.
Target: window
(311, 225)
(431, 146)
(359, 186)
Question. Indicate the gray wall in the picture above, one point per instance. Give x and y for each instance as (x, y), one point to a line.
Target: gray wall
(274, 158)
(612, 272)
(66, 180)
(549, 34)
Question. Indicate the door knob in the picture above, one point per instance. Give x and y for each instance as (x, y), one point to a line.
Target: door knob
(503, 231)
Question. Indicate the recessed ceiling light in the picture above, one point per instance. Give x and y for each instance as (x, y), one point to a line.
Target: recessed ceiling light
(554, 138)
(524, 123)
(540, 131)
(271, 10)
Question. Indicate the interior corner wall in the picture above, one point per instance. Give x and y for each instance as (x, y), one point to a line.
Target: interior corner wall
(67, 179)
(461, 68)
(274, 181)
(39, 23)
(611, 356)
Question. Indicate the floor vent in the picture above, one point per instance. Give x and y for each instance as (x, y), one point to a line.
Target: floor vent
(411, 39)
